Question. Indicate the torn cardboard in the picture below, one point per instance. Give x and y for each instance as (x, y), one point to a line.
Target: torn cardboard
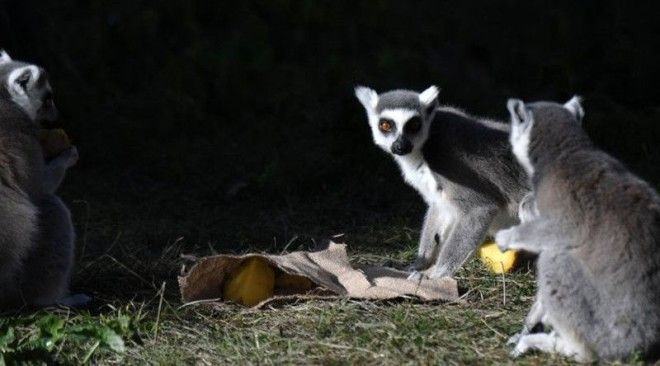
(330, 271)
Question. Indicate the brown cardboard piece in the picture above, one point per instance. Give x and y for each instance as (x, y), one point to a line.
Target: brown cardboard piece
(329, 269)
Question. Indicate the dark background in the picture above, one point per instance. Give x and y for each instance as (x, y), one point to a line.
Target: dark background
(231, 124)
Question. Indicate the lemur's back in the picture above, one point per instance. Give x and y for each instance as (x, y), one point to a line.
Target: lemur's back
(21, 159)
(615, 220)
(474, 155)
(21, 166)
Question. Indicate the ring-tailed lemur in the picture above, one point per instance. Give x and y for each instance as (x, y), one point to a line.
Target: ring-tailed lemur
(28, 86)
(461, 165)
(596, 229)
(37, 239)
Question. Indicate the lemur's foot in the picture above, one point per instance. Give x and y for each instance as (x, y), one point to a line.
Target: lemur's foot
(419, 264)
(522, 346)
(399, 265)
(440, 272)
(514, 339)
(416, 276)
(437, 275)
(75, 301)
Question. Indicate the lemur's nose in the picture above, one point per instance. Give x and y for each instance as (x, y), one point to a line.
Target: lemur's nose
(401, 146)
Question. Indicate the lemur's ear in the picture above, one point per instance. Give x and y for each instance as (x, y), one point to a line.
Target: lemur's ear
(4, 57)
(22, 79)
(518, 111)
(368, 97)
(429, 96)
(575, 107)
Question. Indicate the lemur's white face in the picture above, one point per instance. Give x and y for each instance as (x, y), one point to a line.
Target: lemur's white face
(29, 88)
(399, 129)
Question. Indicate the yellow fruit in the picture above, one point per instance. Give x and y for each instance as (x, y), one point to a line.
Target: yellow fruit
(497, 261)
(251, 283)
(53, 142)
(293, 282)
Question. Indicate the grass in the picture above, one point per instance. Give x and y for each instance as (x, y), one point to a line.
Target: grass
(319, 332)
(130, 254)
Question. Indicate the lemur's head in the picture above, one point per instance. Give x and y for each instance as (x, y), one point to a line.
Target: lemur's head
(399, 119)
(27, 85)
(543, 128)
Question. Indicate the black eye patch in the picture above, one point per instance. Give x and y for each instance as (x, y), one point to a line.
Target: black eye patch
(23, 79)
(413, 125)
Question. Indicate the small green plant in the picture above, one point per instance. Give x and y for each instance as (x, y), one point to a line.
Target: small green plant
(41, 337)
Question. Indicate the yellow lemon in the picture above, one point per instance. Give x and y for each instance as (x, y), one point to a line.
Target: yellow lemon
(497, 261)
(251, 283)
(293, 282)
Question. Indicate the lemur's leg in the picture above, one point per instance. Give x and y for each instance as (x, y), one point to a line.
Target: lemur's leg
(18, 222)
(49, 263)
(533, 318)
(56, 169)
(569, 300)
(429, 241)
(467, 233)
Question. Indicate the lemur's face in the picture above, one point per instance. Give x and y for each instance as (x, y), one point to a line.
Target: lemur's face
(399, 119)
(522, 126)
(28, 86)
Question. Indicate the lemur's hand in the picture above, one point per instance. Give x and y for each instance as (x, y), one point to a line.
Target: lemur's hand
(504, 238)
(56, 169)
(67, 158)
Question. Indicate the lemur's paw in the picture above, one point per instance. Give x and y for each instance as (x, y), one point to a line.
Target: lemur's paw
(418, 265)
(416, 276)
(503, 238)
(69, 157)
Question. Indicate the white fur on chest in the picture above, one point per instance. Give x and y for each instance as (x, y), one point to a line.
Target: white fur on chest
(418, 174)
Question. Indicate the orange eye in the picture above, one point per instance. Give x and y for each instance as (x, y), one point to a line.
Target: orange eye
(385, 125)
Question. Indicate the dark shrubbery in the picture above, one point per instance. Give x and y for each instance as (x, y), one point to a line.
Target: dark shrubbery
(205, 96)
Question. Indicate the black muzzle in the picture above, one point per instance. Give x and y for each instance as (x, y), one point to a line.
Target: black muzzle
(401, 146)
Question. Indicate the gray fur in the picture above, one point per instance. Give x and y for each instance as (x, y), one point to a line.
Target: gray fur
(479, 185)
(597, 232)
(48, 266)
(474, 166)
(20, 182)
(37, 240)
(405, 99)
